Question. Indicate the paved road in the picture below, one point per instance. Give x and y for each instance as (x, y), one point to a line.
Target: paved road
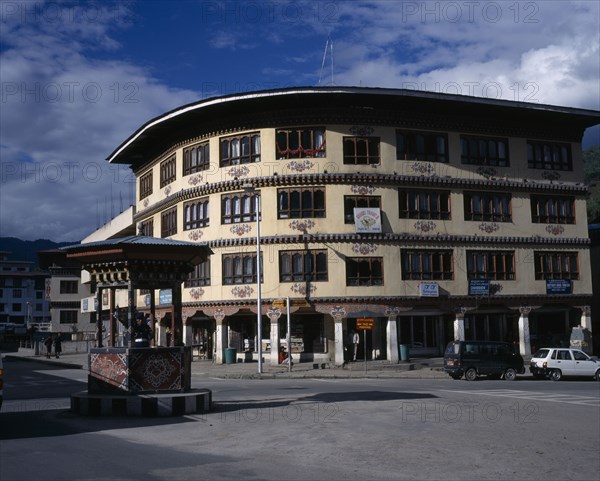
(310, 429)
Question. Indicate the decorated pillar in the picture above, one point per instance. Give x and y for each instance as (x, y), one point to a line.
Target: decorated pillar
(586, 317)
(339, 317)
(130, 306)
(459, 324)
(221, 337)
(274, 315)
(524, 339)
(392, 335)
(98, 316)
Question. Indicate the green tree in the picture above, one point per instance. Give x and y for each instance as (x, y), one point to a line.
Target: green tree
(591, 169)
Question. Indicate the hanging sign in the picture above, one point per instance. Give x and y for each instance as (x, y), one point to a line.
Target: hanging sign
(365, 323)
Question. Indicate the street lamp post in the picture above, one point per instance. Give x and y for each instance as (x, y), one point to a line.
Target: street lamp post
(250, 189)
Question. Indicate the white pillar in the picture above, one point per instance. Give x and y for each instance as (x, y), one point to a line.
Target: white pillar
(392, 340)
(187, 335)
(221, 338)
(586, 318)
(459, 325)
(524, 340)
(274, 315)
(338, 335)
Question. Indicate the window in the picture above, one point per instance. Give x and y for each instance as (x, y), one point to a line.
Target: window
(167, 172)
(552, 210)
(69, 287)
(426, 265)
(494, 266)
(200, 276)
(241, 149)
(147, 227)
(168, 222)
(303, 266)
(17, 307)
(240, 268)
(68, 317)
(299, 202)
(484, 151)
(427, 146)
(487, 206)
(17, 293)
(556, 265)
(239, 207)
(352, 201)
(364, 271)
(196, 214)
(361, 150)
(420, 204)
(146, 185)
(546, 155)
(298, 143)
(196, 158)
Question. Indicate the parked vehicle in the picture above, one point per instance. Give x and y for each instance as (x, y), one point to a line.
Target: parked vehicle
(557, 362)
(479, 358)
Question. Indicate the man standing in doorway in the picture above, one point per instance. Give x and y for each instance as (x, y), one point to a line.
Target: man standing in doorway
(355, 341)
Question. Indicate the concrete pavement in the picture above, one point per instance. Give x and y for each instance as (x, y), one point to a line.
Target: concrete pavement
(418, 368)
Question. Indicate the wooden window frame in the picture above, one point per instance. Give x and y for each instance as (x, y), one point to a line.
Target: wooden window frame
(196, 158)
(442, 258)
(487, 205)
(417, 204)
(495, 265)
(287, 196)
(475, 150)
(357, 277)
(352, 201)
(69, 287)
(196, 214)
(422, 145)
(307, 269)
(549, 155)
(550, 265)
(147, 227)
(168, 222)
(247, 262)
(542, 207)
(362, 150)
(247, 207)
(227, 156)
(200, 276)
(299, 143)
(168, 171)
(145, 185)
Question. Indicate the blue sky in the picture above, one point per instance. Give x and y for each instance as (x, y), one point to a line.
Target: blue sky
(78, 77)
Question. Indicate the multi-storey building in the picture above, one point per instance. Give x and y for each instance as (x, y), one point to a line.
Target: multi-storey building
(22, 292)
(438, 216)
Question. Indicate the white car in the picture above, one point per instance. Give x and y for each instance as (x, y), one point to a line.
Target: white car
(556, 362)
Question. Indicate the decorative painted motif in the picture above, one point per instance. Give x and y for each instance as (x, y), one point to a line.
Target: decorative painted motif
(196, 293)
(555, 229)
(195, 179)
(195, 235)
(112, 368)
(488, 227)
(274, 314)
(392, 311)
(495, 288)
(168, 190)
(425, 225)
(299, 288)
(240, 229)
(242, 292)
(302, 225)
(219, 315)
(338, 312)
(364, 249)
(240, 171)
(362, 189)
(146, 202)
(157, 371)
(550, 175)
(423, 168)
(487, 172)
(300, 165)
(361, 130)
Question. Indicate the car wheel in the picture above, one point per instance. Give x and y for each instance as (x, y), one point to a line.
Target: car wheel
(597, 376)
(510, 374)
(471, 374)
(556, 375)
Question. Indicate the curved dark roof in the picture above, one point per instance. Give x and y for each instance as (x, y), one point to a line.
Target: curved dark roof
(268, 106)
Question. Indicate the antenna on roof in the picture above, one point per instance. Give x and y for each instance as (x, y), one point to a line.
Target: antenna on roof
(328, 43)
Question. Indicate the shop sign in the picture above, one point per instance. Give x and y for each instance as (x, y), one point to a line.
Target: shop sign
(479, 287)
(558, 286)
(367, 219)
(365, 323)
(429, 289)
(281, 303)
(165, 296)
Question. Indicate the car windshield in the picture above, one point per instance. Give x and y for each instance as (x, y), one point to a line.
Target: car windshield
(541, 353)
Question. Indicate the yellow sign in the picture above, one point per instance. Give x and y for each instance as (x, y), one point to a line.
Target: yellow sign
(365, 323)
(281, 303)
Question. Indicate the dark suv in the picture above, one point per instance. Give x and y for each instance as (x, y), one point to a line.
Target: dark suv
(489, 358)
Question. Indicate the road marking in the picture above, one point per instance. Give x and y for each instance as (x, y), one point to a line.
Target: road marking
(534, 396)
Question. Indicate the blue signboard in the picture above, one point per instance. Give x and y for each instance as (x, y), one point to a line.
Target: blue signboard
(479, 287)
(165, 296)
(558, 286)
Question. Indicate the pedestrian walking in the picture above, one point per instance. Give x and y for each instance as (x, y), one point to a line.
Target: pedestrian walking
(48, 344)
(57, 346)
